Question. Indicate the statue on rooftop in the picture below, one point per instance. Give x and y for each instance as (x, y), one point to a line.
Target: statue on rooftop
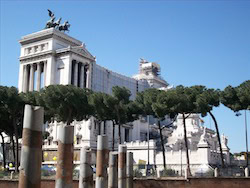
(50, 23)
(56, 24)
(51, 14)
(64, 27)
(142, 60)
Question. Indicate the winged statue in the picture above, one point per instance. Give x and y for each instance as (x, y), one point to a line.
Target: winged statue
(51, 22)
(51, 14)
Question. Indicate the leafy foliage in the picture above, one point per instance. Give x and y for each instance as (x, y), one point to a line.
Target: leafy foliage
(11, 110)
(237, 98)
(66, 103)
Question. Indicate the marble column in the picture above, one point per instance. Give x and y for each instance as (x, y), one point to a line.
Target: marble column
(38, 81)
(86, 172)
(76, 73)
(31, 83)
(25, 78)
(88, 78)
(113, 170)
(102, 157)
(82, 76)
(129, 170)
(122, 154)
(44, 72)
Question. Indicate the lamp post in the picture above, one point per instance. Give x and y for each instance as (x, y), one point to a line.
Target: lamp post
(181, 157)
(246, 136)
(148, 170)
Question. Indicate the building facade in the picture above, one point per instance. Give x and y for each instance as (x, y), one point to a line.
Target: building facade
(50, 57)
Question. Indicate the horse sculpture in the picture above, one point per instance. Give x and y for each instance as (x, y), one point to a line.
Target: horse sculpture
(64, 27)
(52, 23)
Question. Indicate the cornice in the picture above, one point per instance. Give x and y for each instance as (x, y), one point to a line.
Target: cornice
(46, 34)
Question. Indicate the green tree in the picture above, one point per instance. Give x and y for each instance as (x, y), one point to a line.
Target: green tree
(155, 102)
(11, 109)
(185, 105)
(238, 98)
(243, 92)
(110, 103)
(162, 107)
(121, 100)
(206, 100)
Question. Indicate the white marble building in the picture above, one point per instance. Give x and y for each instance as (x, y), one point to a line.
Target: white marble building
(52, 57)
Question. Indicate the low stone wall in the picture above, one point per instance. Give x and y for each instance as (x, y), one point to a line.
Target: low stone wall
(160, 183)
(193, 183)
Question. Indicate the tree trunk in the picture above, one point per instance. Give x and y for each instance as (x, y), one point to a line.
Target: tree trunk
(162, 144)
(186, 145)
(120, 139)
(17, 147)
(113, 141)
(119, 127)
(3, 146)
(218, 137)
(104, 127)
(99, 128)
(69, 119)
(13, 147)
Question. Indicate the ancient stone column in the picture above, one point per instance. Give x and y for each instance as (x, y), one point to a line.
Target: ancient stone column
(102, 162)
(216, 172)
(31, 154)
(76, 73)
(113, 170)
(86, 172)
(129, 170)
(122, 166)
(246, 172)
(65, 151)
(31, 83)
(38, 81)
(186, 173)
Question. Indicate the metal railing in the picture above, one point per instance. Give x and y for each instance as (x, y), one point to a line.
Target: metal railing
(141, 171)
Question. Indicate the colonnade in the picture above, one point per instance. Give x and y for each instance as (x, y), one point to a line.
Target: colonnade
(33, 80)
(29, 78)
(79, 74)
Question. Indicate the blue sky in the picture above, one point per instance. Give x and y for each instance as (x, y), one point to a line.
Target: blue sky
(195, 42)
